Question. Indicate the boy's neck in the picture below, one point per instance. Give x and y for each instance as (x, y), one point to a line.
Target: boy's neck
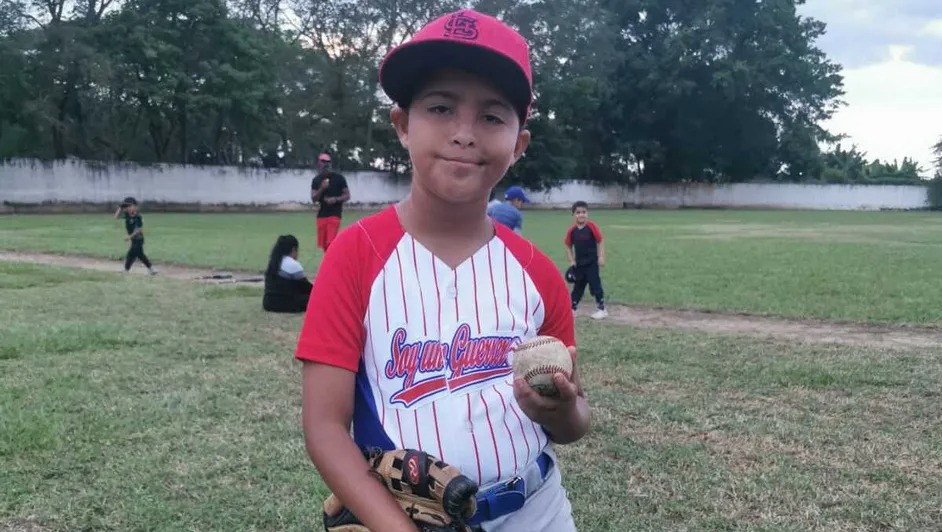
(422, 215)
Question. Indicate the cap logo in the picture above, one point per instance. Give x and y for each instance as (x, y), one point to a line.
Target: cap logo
(461, 26)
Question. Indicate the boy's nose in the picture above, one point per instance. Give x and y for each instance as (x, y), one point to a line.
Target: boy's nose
(463, 134)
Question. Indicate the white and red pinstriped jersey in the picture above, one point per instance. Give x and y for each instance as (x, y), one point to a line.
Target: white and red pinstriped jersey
(430, 344)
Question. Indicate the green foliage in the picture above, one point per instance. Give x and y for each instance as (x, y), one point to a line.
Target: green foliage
(852, 166)
(937, 151)
(626, 90)
(935, 193)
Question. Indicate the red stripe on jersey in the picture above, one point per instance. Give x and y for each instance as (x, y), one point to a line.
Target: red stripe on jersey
(537, 307)
(379, 389)
(417, 433)
(513, 317)
(385, 302)
(539, 445)
(402, 287)
(510, 435)
(526, 299)
(490, 269)
(457, 382)
(438, 293)
(522, 430)
(456, 295)
(474, 281)
(441, 454)
(474, 440)
(402, 444)
(487, 413)
(408, 395)
(415, 262)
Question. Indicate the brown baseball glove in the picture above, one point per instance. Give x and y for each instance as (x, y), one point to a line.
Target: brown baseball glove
(437, 496)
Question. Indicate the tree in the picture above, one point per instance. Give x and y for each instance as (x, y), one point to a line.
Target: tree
(937, 151)
(625, 90)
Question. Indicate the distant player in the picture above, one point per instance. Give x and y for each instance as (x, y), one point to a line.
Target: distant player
(508, 211)
(134, 224)
(414, 313)
(586, 251)
(329, 191)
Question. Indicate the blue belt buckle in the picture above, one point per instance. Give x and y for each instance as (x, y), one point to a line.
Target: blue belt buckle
(500, 500)
(507, 497)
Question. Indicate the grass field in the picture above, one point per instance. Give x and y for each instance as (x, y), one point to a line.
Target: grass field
(872, 267)
(150, 403)
(136, 403)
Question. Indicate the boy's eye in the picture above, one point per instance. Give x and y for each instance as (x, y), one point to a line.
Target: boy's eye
(439, 109)
(493, 119)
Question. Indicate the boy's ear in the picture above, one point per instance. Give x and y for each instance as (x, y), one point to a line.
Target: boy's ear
(523, 141)
(400, 121)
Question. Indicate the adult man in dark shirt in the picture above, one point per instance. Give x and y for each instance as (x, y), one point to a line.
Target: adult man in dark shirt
(329, 192)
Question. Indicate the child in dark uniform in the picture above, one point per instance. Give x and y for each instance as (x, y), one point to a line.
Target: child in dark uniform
(586, 253)
(134, 225)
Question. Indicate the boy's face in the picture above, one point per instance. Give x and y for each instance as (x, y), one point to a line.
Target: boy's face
(132, 209)
(518, 203)
(581, 215)
(462, 136)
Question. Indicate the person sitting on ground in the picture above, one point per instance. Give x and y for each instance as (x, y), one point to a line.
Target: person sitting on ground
(287, 289)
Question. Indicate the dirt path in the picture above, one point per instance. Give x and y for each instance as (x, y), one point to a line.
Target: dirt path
(207, 275)
(798, 331)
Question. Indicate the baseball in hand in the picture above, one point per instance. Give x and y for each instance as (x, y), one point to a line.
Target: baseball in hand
(537, 360)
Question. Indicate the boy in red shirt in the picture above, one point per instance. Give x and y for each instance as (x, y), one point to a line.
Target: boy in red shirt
(415, 309)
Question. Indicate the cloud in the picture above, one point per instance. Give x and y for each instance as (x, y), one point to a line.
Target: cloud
(894, 108)
(891, 51)
(933, 28)
(858, 31)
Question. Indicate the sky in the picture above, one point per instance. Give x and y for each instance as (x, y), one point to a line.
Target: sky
(891, 54)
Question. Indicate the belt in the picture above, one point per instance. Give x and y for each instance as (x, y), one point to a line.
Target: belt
(507, 497)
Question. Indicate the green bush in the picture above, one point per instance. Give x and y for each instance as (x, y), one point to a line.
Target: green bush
(935, 193)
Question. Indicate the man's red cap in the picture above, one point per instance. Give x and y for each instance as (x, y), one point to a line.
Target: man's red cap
(466, 40)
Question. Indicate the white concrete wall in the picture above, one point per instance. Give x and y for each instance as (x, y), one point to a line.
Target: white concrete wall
(742, 195)
(79, 182)
(74, 181)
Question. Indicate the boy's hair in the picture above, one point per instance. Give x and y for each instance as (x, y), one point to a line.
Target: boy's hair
(282, 247)
(578, 204)
(466, 40)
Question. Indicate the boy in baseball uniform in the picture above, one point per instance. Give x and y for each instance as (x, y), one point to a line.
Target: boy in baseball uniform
(134, 225)
(508, 211)
(415, 309)
(585, 247)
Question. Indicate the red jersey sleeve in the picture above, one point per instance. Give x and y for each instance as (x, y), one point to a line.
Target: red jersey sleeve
(333, 331)
(558, 321)
(596, 232)
(569, 237)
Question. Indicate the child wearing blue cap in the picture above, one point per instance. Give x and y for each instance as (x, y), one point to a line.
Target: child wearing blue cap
(508, 212)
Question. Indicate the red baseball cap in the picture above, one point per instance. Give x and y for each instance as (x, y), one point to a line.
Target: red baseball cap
(466, 40)
(324, 157)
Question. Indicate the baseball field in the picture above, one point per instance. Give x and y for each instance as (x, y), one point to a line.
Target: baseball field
(760, 371)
